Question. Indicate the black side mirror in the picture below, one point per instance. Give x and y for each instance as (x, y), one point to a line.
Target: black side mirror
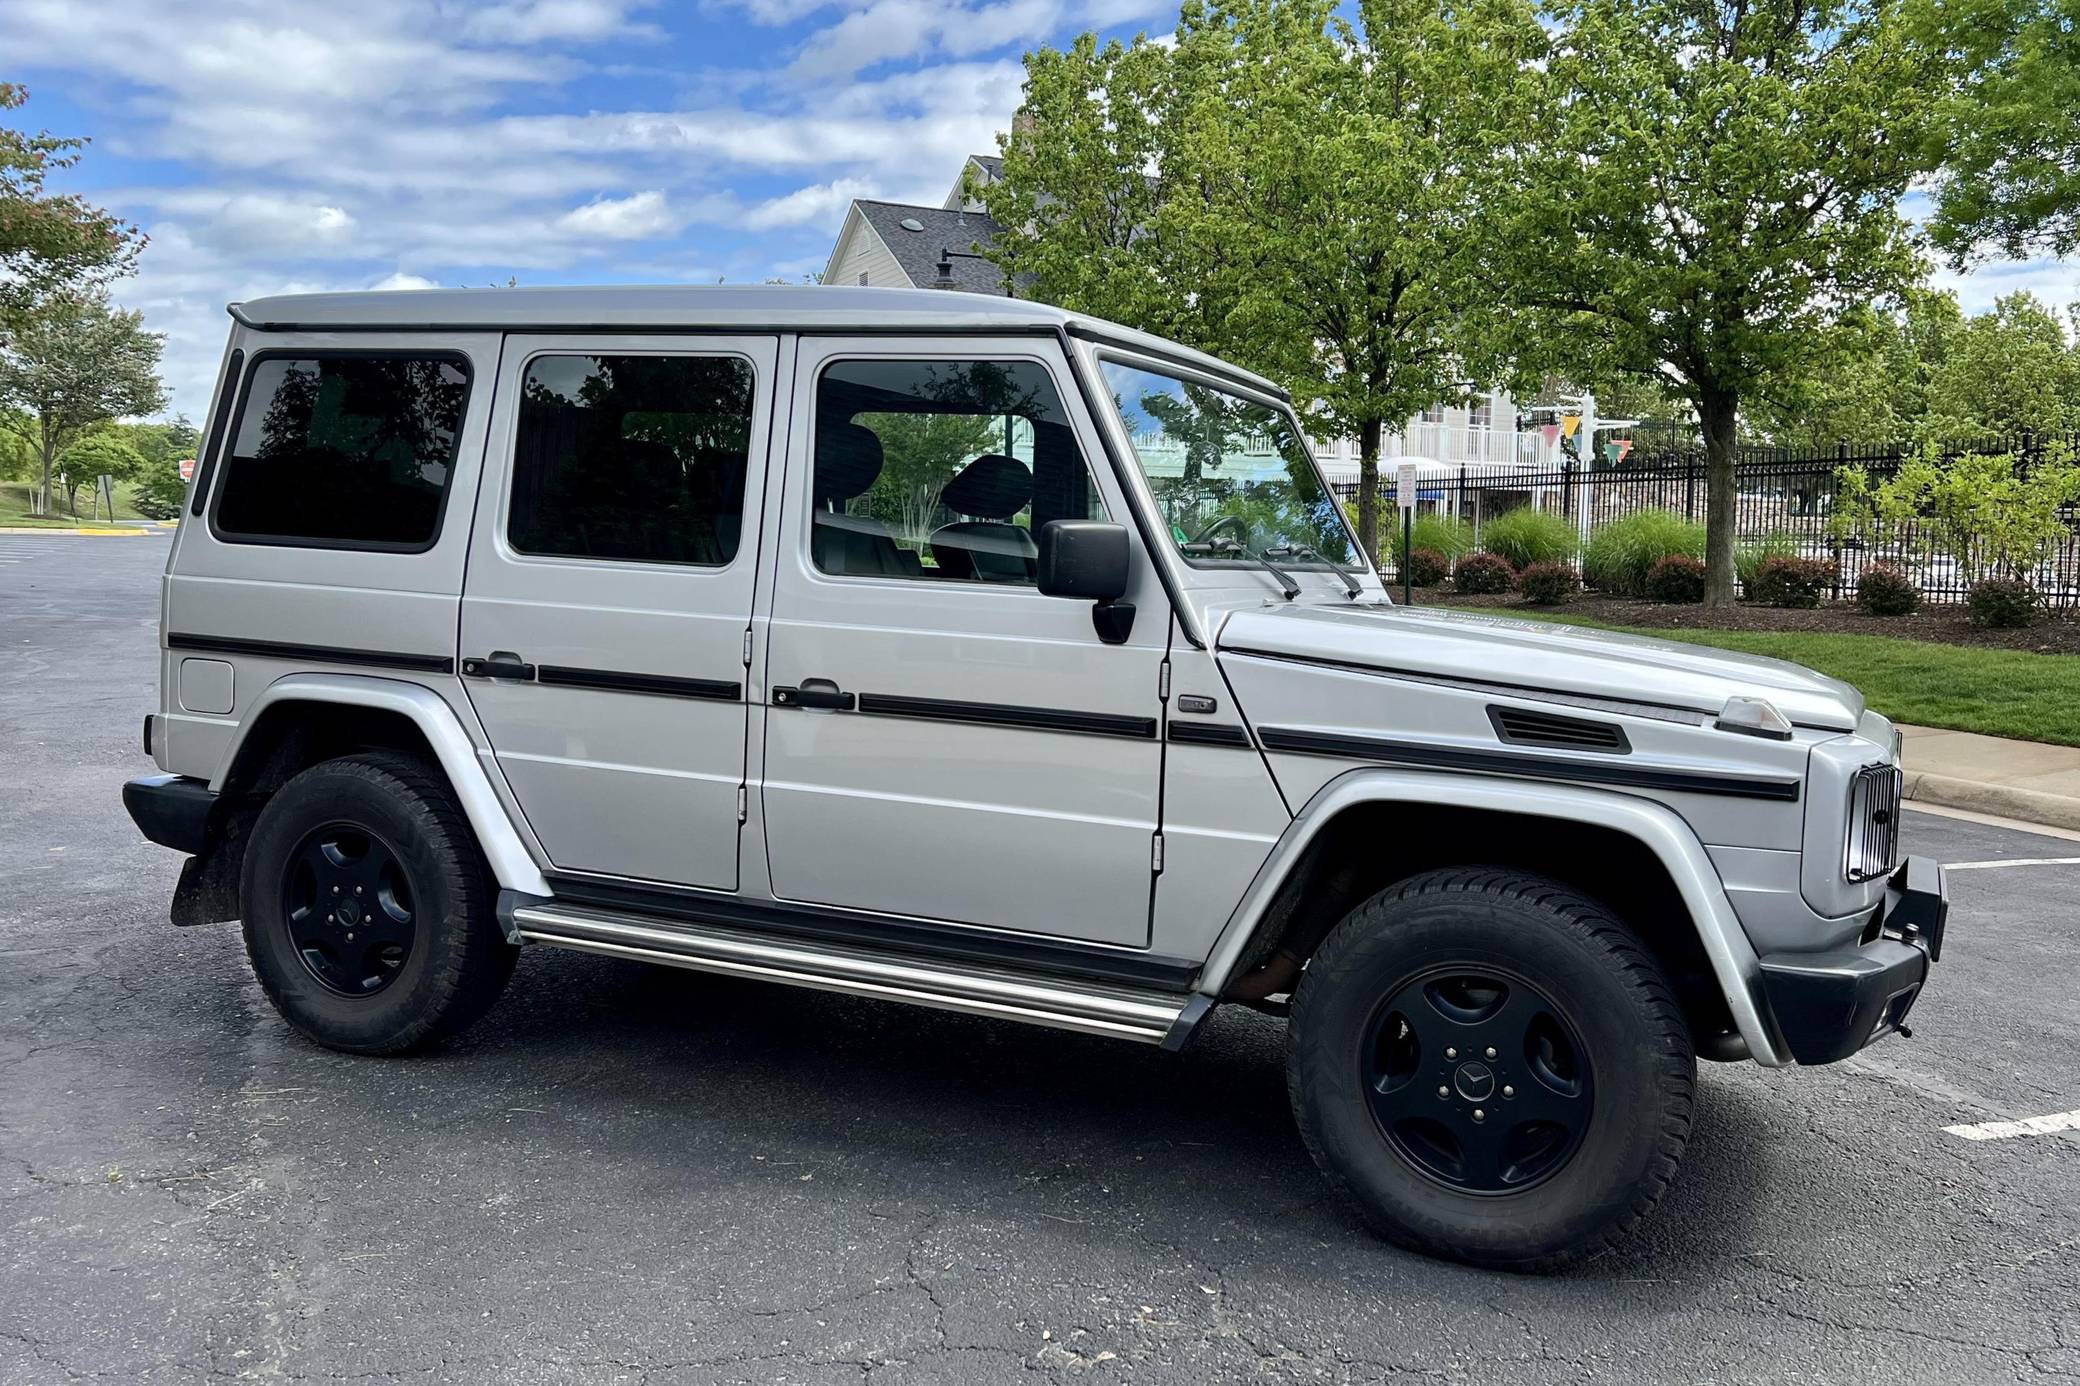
(1083, 558)
(1088, 559)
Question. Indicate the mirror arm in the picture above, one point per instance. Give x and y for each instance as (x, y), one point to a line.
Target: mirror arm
(1114, 621)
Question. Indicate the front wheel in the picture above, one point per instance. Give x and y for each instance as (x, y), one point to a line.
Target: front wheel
(370, 917)
(1491, 1068)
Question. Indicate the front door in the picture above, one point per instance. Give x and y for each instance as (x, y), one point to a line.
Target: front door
(942, 741)
(608, 598)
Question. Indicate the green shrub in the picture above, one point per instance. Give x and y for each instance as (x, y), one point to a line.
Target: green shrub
(1676, 578)
(1620, 553)
(1449, 538)
(1547, 584)
(2003, 603)
(159, 491)
(1884, 590)
(1485, 572)
(1749, 557)
(1426, 568)
(1526, 536)
(1791, 581)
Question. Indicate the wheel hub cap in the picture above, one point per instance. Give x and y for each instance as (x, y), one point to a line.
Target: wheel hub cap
(1477, 1079)
(348, 905)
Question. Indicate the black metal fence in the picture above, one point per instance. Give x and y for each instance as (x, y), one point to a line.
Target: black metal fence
(1784, 497)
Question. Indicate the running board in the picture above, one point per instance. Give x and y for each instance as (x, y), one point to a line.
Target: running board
(1151, 1017)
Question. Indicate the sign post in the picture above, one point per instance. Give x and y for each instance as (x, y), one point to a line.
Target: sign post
(1405, 497)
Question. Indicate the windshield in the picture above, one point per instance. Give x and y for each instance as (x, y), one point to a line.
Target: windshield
(1229, 474)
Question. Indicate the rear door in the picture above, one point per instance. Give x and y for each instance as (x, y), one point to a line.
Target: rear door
(608, 595)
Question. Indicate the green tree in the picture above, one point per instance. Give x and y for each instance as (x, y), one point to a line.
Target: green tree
(85, 462)
(1715, 185)
(72, 363)
(2012, 181)
(48, 240)
(1297, 185)
(2004, 371)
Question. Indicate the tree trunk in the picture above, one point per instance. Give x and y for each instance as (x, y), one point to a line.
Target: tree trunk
(1722, 510)
(50, 456)
(1368, 488)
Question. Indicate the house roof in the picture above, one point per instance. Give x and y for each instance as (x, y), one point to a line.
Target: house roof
(918, 251)
(991, 164)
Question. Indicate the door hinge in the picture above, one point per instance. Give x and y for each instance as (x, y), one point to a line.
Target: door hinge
(1156, 856)
(743, 803)
(1163, 680)
(747, 647)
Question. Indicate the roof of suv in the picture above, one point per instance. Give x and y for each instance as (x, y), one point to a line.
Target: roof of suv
(677, 307)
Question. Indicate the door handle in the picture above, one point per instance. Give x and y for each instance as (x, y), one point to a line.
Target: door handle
(499, 664)
(817, 693)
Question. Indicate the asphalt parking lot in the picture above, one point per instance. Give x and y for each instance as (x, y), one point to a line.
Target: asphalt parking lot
(637, 1175)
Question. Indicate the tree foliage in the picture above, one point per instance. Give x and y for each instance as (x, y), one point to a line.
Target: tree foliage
(1990, 516)
(1296, 185)
(72, 363)
(2012, 181)
(49, 240)
(86, 461)
(1715, 186)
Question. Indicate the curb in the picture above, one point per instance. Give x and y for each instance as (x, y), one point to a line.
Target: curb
(76, 530)
(2000, 800)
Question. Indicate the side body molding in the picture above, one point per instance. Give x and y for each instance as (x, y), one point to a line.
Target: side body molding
(1660, 829)
(510, 861)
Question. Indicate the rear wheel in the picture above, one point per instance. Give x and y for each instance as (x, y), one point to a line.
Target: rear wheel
(1492, 1068)
(370, 917)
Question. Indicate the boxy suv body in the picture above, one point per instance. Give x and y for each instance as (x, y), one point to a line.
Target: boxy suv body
(967, 653)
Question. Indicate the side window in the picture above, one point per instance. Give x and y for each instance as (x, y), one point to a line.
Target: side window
(635, 458)
(942, 470)
(348, 450)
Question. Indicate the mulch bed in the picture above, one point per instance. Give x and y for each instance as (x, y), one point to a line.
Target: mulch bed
(2058, 634)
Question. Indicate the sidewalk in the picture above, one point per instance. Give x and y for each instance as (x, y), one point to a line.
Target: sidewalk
(2025, 780)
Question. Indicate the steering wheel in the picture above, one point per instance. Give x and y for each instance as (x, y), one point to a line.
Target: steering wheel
(1220, 522)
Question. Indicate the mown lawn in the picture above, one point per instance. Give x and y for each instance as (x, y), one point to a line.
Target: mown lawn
(14, 509)
(2035, 697)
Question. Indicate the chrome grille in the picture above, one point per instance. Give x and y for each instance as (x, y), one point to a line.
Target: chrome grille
(1872, 848)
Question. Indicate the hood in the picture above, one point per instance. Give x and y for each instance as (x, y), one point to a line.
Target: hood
(1536, 654)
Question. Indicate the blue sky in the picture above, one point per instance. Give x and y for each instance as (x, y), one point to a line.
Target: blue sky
(271, 147)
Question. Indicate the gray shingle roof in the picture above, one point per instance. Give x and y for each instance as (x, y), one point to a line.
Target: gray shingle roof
(991, 164)
(918, 251)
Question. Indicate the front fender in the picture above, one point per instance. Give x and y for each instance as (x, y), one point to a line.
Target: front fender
(510, 861)
(1660, 829)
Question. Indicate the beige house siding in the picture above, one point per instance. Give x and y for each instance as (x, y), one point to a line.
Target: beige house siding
(860, 251)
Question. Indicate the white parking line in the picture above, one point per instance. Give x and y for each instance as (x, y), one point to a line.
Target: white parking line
(2011, 861)
(2028, 1126)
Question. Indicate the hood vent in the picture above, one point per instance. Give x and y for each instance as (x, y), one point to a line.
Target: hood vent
(1520, 726)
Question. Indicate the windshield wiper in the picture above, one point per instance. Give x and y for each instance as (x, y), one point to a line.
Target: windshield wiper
(1229, 548)
(1350, 584)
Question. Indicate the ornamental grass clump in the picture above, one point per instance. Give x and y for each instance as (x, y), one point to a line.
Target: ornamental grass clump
(1620, 554)
(1526, 536)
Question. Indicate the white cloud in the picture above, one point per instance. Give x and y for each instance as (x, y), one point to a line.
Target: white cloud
(401, 280)
(532, 21)
(820, 203)
(633, 218)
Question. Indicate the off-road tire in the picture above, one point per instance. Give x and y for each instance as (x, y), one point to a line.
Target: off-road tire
(1592, 968)
(459, 960)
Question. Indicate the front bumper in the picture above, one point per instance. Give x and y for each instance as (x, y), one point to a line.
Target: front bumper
(1831, 1004)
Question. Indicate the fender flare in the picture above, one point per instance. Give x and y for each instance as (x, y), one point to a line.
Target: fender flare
(1660, 829)
(511, 863)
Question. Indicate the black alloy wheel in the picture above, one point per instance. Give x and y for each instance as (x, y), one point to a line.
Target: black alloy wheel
(1477, 1080)
(348, 904)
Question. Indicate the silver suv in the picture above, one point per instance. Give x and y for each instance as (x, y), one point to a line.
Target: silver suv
(964, 652)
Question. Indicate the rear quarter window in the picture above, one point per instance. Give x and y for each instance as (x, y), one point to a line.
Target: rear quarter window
(343, 450)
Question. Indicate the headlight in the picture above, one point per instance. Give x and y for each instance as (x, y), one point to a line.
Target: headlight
(1871, 845)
